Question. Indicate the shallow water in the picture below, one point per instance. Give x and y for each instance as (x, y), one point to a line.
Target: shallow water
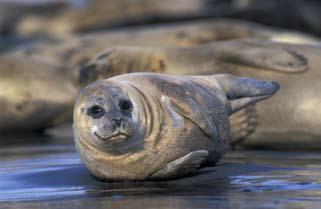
(48, 173)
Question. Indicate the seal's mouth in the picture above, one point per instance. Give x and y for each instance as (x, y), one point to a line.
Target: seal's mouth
(114, 138)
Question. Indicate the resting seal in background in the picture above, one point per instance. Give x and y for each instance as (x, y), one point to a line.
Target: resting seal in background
(46, 76)
(155, 126)
(294, 117)
(34, 95)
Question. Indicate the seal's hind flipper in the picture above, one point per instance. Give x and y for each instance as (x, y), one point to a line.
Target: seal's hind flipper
(182, 166)
(263, 55)
(242, 123)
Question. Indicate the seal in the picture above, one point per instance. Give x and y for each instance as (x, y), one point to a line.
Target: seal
(155, 126)
(33, 99)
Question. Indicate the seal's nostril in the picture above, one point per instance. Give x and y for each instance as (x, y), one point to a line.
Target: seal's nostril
(118, 121)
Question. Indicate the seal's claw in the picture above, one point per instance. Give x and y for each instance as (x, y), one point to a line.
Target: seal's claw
(242, 124)
(182, 166)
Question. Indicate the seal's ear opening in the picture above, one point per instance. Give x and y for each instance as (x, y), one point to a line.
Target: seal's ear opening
(242, 91)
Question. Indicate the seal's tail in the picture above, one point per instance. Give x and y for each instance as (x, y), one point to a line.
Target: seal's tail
(242, 123)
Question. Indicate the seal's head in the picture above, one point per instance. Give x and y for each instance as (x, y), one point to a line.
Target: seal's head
(105, 116)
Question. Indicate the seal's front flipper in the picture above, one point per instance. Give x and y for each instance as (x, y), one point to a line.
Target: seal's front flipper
(180, 99)
(182, 166)
(242, 124)
(263, 55)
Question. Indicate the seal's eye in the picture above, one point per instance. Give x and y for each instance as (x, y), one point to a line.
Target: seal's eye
(96, 111)
(125, 104)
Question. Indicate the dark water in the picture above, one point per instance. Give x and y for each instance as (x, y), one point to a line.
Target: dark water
(49, 174)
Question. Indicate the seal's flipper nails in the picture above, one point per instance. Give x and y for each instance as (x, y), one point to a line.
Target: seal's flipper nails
(242, 124)
(182, 166)
(242, 91)
(264, 55)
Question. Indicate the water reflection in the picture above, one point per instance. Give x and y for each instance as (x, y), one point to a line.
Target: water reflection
(50, 174)
(284, 182)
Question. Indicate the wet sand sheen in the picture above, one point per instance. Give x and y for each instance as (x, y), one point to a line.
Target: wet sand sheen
(50, 174)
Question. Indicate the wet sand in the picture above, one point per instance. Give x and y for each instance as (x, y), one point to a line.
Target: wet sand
(49, 174)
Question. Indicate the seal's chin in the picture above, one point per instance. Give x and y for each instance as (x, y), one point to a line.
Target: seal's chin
(115, 138)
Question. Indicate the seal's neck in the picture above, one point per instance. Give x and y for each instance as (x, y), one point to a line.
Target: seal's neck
(143, 112)
(149, 113)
